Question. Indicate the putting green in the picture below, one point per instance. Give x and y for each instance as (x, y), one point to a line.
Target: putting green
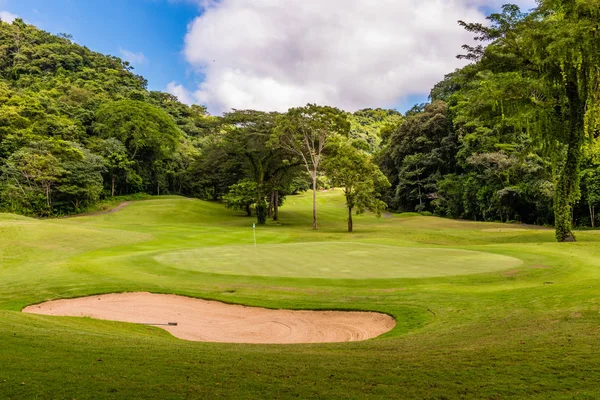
(336, 261)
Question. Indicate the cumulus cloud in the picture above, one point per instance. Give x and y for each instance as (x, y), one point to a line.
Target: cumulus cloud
(182, 94)
(8, 16)
(276, 54)
(133, 58)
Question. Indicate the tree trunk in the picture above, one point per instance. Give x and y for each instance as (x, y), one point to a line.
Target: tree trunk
(112, 189)
(314, 179)
(261, 212)
(419, 186)
(562, 209)
(592, 214)
(48, 195)
(568, 181)
(271, 200)
(350, 224)
(276, 206)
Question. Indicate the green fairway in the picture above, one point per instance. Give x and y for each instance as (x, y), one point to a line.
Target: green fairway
(335, 260)
(483, 310)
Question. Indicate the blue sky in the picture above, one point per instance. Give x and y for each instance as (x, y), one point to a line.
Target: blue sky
(271, 54)
(154, 28)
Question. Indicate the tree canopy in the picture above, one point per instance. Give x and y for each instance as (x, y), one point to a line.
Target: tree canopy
(522, 116)
(355, 172)
(77, 126)
(304, 132)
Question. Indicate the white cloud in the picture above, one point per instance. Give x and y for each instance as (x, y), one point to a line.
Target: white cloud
(182, 94)
(133, 58)
(8, 16)
(275, 54)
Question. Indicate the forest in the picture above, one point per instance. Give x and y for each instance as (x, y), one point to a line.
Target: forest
(512, 136)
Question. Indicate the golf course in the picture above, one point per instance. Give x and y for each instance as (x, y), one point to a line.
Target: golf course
(482, 310)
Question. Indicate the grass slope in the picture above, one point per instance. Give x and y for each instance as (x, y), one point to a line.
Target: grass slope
(484, 310)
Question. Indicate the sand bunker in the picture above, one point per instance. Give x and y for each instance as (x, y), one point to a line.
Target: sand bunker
(212, 321)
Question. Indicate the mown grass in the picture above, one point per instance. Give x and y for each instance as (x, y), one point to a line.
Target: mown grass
(524, 330)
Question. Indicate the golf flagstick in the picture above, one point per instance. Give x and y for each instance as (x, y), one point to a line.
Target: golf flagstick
(254, 231)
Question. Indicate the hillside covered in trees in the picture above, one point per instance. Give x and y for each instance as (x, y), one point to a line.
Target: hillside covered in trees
(77, 126)
(510, 137)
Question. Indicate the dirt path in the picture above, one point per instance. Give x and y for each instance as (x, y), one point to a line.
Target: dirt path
(115, 209)
(211, 321)
(89, 214)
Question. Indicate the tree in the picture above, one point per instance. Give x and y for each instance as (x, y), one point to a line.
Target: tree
(214, 171)
(34, 170)
(241, 196)
(543, 68)
(148, 133)
(247, 139)
(82, 181)
(354, 171)
(565, 47)
(590, 179)
(591, 183)
(304, 131)
(369, 126)
(180, 177)
(116, 162)
(418, 153)
(144, 129)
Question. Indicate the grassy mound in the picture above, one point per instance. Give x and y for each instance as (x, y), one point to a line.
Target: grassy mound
(336, 260)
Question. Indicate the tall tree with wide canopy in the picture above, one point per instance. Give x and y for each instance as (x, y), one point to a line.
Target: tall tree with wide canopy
(304, 131)
(418, 153)
(148, 133)
(248, 138)
(355, 172)
(542, 71)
